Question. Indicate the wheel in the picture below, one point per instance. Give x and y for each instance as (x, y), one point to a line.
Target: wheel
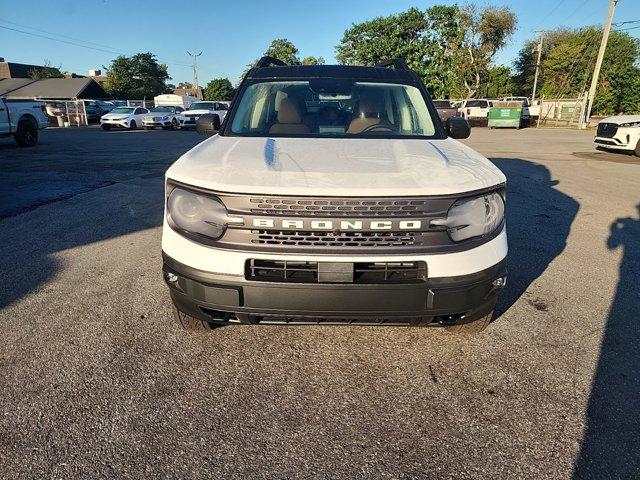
(174, 124)
(106, 127)
(637, 150)
(27, 133)
(132, 125)
(472, 327)
(187, 322)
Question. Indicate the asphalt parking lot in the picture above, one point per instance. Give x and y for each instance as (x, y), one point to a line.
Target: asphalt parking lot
(97, 382)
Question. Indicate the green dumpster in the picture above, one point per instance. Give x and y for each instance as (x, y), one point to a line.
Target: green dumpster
(505, 117)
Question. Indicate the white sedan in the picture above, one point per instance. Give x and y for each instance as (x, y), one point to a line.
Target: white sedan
(123, 117)
(167, 117)
(621, 132)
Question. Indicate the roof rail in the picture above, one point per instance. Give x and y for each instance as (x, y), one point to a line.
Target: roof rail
(267, 61)
(396, 63)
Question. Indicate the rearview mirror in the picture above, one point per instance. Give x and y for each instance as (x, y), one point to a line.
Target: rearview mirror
(458, 127)
(208, 124)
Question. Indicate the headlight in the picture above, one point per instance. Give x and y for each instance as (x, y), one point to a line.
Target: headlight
(630, 124)
(197, 216)
(473, 217)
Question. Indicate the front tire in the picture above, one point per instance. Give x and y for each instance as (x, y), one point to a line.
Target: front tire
(106, 127)
(471, 328)
(637, 150)
(187, 322)
(27, 134)
(132, 125)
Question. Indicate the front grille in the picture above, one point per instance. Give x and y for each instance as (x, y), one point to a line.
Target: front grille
(190, 115)
(340, 225)
(336, 239)
(308, 272)
(338, 207)
(607, 130)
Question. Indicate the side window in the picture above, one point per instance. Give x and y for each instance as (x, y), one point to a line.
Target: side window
(137, 111)
(179, 109)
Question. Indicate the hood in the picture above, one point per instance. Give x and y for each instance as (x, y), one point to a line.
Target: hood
(200, 111)
(116, 115)
(620, 119)
(344, 167)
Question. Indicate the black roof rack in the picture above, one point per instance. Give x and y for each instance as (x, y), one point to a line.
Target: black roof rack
(396, 63)
(267, 61)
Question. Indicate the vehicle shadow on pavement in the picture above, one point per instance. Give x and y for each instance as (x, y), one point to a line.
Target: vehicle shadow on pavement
(611, 443)
(33, 245)
(539, 218)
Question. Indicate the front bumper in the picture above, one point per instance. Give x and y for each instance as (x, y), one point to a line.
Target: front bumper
(434, 301)
(188, 122)
(115, 123)
(625, 138)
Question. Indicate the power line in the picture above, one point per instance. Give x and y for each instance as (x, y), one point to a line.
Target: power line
(624, 23)
(74, 43)
(59, 40)
(550, 12)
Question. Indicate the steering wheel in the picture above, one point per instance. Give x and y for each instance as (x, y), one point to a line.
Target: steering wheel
(377, 128)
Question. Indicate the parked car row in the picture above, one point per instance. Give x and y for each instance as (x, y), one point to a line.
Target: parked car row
(167, 117)
(476, 110)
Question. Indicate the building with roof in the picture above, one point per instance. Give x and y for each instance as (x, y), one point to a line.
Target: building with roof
(17, 70)
(52, 89)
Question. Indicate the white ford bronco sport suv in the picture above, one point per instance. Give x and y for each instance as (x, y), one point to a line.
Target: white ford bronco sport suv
(333, 194)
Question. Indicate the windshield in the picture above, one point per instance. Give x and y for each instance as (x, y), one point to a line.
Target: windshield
(122, 110)
(201, 106)
(332, 108)
(162, 110)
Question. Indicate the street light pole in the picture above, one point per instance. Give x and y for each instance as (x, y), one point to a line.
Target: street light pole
(596, 71)
(195, 70)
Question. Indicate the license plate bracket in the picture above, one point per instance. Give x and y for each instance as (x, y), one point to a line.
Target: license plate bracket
(335, 272)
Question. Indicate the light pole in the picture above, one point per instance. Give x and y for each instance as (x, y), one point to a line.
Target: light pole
(195, 70)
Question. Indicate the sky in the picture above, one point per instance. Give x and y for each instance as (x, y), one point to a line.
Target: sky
(233, 34)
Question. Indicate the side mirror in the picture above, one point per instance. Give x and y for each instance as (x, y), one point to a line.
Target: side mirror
(208, 124)
(458, 127)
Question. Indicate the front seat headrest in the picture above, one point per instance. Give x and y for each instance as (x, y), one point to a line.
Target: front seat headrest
(289, 112)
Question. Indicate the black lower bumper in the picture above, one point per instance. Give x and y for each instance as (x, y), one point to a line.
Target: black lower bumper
(436, 301)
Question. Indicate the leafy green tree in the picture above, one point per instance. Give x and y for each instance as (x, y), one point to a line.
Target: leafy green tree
(218, 89)
(497, 83)
(442, 36)
(484, 32)
(567, 61)
(449, 47)
(396, 36)
(312, 61)
(284, 50)
(136, 77)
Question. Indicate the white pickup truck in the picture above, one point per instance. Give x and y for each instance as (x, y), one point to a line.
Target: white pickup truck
(23, 119)
(196, 109)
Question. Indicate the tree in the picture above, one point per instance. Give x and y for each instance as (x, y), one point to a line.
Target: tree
(46, 71)
(312, 61)
(450, 48)
(218, 89)
(284, 50)
(567, 61)
(185, 85)
(395, 36)
(136, 77)
(497, 83)
(483, 34)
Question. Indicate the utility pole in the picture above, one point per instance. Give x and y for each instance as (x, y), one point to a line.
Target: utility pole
(596, 71)
(195, 70)
(535, 80)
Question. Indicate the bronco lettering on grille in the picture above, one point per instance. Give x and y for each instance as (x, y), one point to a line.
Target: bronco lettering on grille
(336, 224)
